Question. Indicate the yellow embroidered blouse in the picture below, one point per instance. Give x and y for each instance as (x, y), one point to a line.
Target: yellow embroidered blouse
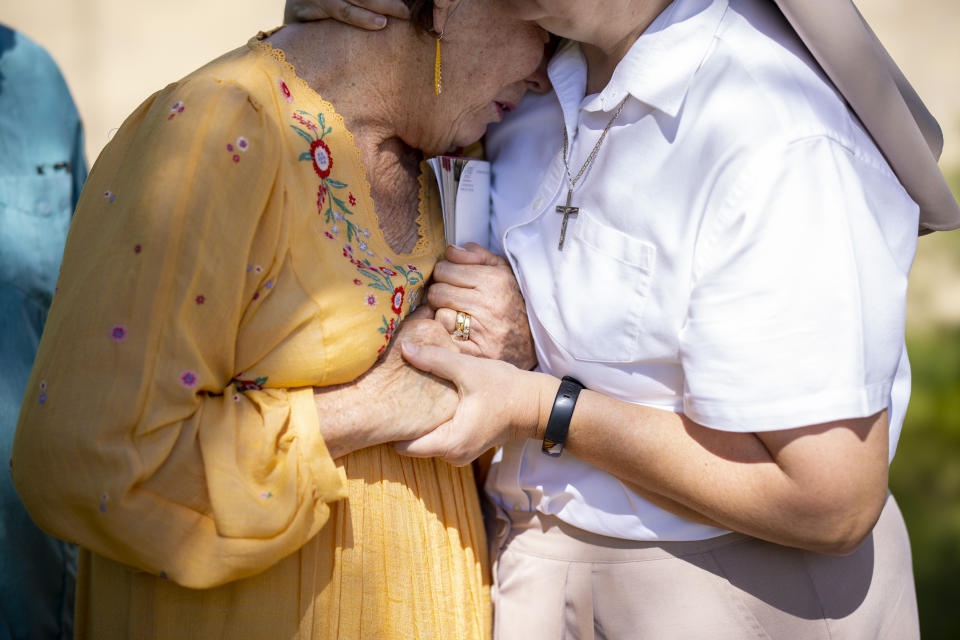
(225, 257)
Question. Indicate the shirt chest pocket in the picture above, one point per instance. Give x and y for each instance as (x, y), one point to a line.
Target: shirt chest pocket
(601, 284)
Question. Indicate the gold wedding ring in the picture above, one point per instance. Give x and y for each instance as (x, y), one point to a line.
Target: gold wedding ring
(463, 326)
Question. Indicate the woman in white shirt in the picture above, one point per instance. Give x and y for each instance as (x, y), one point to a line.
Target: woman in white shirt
(726, 276)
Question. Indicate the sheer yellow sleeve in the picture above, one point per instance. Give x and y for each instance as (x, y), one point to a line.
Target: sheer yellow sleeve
(133, 440)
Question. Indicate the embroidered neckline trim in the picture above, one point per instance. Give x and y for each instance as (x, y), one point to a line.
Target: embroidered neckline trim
(424, 225)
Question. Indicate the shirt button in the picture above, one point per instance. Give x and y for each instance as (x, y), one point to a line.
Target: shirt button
(516, 506)
(537, 203)
(43, 207)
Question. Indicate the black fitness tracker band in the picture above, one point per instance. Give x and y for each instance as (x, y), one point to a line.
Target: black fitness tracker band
(559, 422)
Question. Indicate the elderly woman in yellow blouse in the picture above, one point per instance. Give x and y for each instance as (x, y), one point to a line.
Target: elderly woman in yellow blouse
(217, 373)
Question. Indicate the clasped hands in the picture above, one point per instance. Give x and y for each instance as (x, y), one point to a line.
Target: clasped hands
(463, 396)
(489, 369)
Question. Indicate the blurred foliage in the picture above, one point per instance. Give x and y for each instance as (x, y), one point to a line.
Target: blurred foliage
(925, 478)
(925, 475)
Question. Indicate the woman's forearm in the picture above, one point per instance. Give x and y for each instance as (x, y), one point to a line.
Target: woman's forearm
(392, 401)
(342, 424)
(360, 414)
(672, 506)
(820, 487)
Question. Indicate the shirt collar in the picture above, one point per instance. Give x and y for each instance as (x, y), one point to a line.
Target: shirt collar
(657, 69)
(568, 75)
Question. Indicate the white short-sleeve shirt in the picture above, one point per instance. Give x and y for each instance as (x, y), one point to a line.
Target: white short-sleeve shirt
(740, 254)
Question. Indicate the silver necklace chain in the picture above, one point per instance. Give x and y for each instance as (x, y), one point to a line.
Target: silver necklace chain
(593, 154)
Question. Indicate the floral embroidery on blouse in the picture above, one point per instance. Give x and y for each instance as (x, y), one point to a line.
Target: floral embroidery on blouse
(402, 285)
(322, 200)
(177, 107)
(109, 196)
(285, 90)
(118, 333)
(242, 386)
(231, 149)
(188, 379)
(334, 209)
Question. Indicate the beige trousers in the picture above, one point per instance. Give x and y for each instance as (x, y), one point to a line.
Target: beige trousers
(553, 581)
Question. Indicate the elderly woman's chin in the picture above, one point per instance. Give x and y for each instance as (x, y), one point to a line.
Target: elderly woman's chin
(475, 125)
(471, 134)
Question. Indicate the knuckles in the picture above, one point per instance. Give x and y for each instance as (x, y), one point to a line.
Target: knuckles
(458, 458)
(435, 297)
(425, 331)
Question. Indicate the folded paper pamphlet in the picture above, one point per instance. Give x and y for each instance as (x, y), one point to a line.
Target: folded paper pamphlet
(465, 198)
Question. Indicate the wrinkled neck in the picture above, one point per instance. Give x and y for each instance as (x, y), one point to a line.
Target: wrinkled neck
(393, 171)
(345, 66)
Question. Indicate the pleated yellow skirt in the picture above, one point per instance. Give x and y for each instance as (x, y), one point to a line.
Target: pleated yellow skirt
(404, 557)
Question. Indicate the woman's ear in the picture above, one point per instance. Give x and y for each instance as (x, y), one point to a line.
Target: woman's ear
(441, 11)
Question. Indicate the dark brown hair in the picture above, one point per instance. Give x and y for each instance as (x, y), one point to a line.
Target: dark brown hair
(421, 14)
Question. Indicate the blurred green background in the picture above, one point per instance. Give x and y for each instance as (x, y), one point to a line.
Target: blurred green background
(925, 476)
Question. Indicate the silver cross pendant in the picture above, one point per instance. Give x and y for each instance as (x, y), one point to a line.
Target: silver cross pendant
(567, 211)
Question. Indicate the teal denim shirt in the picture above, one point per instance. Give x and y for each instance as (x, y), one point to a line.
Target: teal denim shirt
(42, 169)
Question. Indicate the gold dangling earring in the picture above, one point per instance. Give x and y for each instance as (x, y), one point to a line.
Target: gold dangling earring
(437, 78)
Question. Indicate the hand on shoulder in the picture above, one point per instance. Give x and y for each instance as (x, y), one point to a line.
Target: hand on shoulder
(366, 14)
